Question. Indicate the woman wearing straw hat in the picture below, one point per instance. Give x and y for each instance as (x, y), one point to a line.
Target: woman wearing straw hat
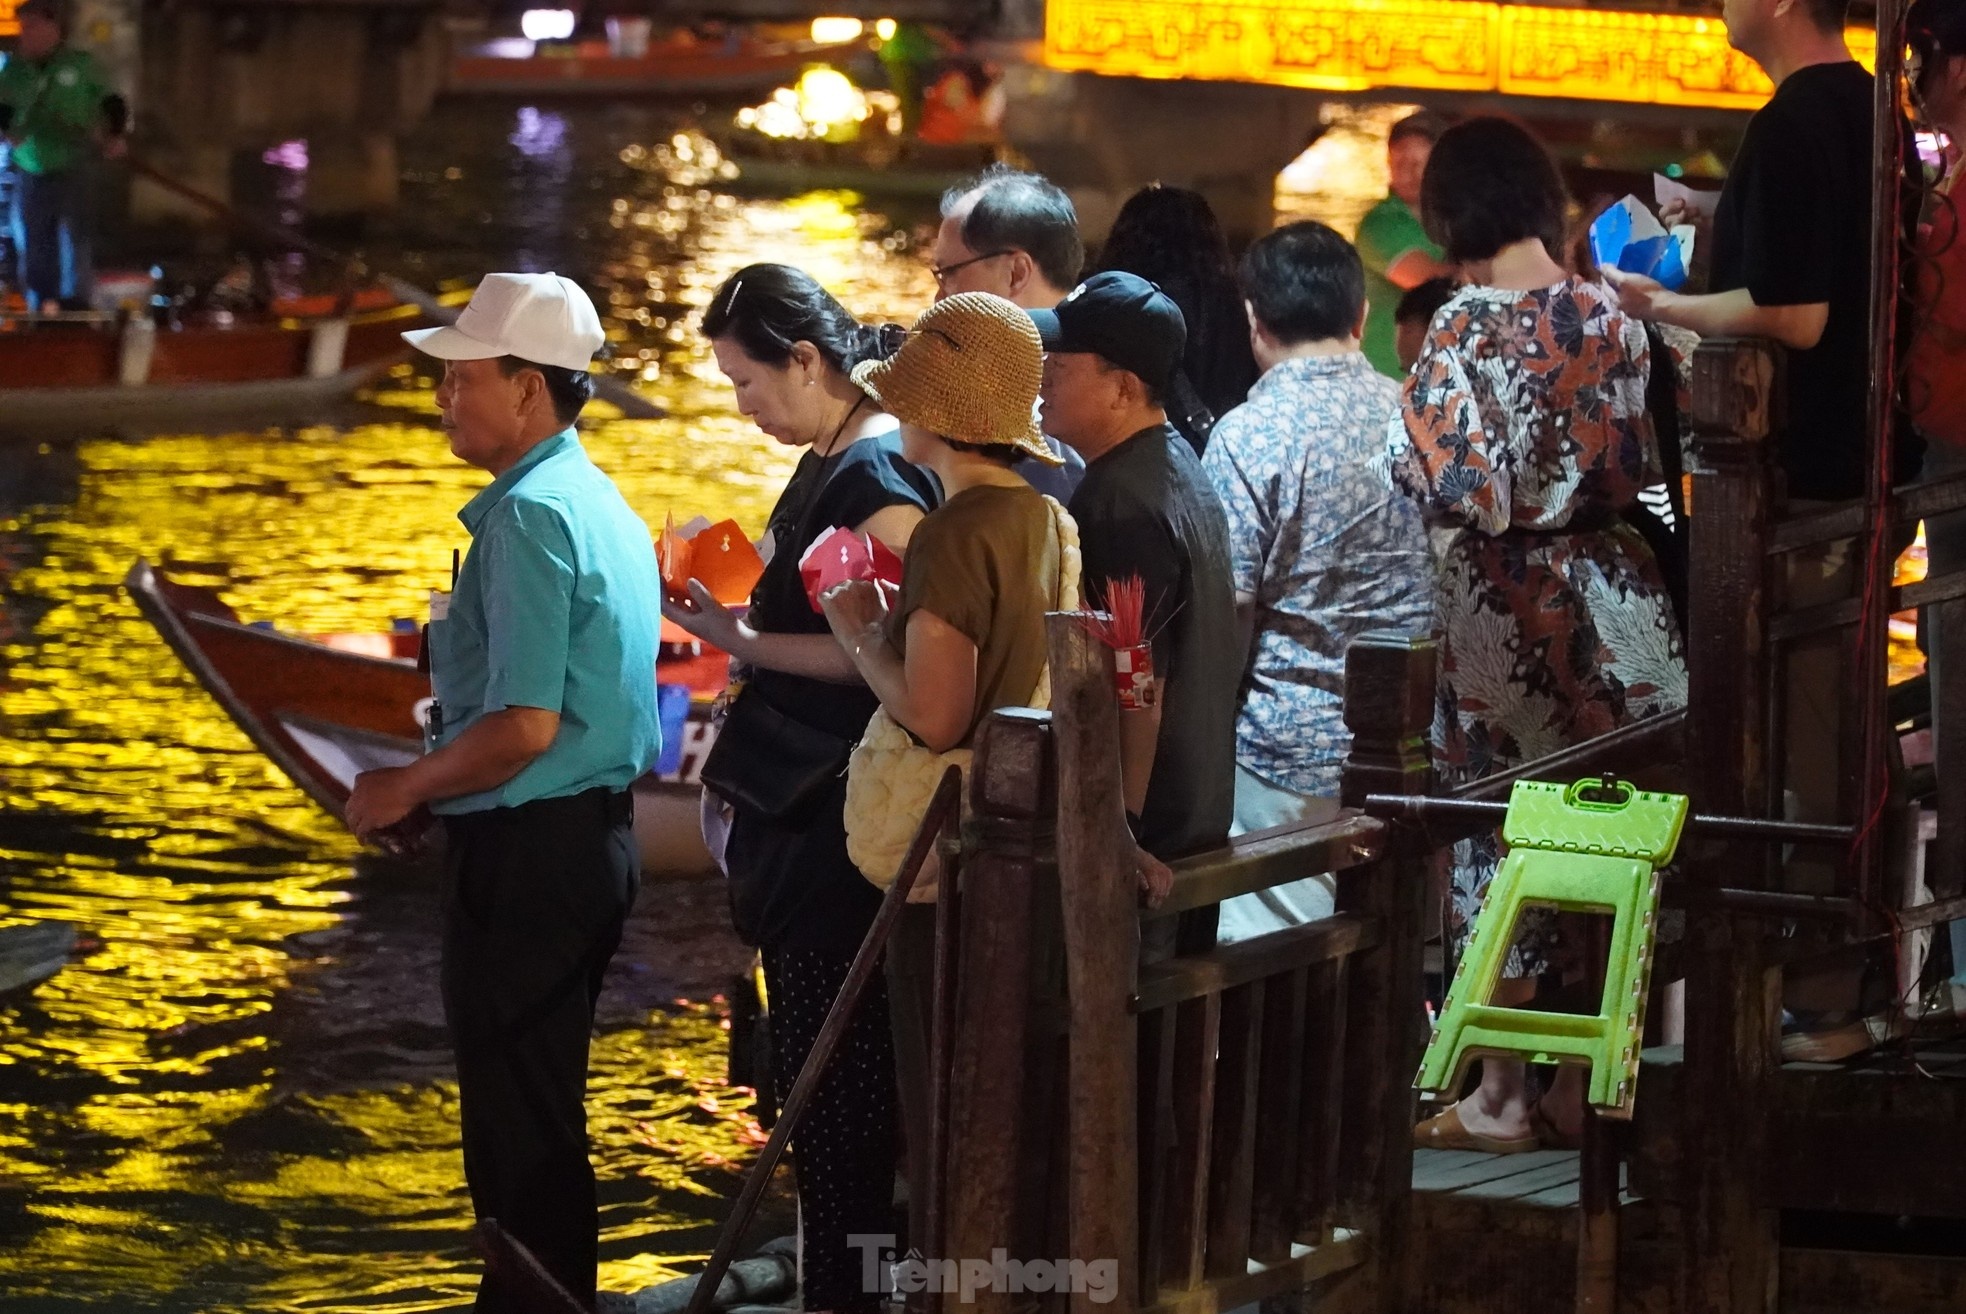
(965, 633)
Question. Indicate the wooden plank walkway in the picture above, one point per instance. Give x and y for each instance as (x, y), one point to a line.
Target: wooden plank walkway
(1536, 1179)
(1547, 1179)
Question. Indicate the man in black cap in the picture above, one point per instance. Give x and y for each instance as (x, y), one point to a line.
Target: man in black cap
(1145, 508)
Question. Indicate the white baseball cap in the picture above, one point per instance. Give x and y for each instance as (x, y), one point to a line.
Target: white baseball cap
(542, 318)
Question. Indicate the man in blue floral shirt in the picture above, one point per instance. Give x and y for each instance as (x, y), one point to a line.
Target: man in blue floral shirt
(1321, 548)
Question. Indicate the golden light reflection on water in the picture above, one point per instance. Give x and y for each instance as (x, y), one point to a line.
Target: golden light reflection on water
(238, 1095)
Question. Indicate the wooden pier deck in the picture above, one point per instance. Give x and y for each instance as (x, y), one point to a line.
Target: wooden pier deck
(1547, 1179)
(1537, 1179)
(1495, 1231)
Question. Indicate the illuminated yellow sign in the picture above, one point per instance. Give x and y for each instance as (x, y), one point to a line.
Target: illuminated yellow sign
(1423, 45)
(9, 25)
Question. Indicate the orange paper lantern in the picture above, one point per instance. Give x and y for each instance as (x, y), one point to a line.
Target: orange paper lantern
(718, 556)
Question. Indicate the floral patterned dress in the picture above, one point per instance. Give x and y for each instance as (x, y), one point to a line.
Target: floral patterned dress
(1523, 434)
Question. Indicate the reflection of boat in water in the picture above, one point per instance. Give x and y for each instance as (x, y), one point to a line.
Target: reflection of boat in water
(92, 367)
(326, 709)
(825, 133)
(679, 67)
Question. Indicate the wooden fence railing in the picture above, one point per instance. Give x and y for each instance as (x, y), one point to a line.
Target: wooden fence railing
(1235, 1124)
(1219, 1127)
(1942, 597)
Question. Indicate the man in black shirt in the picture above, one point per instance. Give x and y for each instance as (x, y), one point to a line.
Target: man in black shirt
(1145, 508)
(1791, 242)
(1791, 248)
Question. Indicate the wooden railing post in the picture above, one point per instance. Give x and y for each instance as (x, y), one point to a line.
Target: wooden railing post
(995, 1138)
(1389, 703)
(1099, 888)
(1732, 1005)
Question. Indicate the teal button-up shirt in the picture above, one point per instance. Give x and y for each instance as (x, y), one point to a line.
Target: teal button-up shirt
(558, 606)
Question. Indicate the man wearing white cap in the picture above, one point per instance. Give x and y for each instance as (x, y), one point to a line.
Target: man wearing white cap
(543, 671)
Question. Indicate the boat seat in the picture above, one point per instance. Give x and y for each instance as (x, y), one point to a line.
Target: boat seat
(1592, 847)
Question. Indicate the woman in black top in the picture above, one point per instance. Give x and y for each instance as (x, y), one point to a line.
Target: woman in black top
(787, 346)
(1170, 237)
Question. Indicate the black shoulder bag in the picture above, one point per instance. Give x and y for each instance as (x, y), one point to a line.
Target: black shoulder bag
(765, 762)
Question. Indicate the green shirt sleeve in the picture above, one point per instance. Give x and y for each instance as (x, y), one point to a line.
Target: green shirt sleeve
(57, 106)
(529, 583)
(73, 98)
(1388, 231)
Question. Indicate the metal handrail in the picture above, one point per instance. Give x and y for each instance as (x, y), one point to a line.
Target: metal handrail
(1910, 503)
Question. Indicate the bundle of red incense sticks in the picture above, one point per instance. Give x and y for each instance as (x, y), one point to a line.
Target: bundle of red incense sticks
(1122, 626)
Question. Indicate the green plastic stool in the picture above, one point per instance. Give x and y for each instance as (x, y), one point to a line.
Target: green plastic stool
(1574, 854)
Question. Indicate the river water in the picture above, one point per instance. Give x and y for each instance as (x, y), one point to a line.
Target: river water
(238, 1096)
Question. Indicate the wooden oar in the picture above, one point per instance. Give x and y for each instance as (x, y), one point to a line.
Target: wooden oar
(608, 388)
(942, 810)
(265, 228)
(528, 1282)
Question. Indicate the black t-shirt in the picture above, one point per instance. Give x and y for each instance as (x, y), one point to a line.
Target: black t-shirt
(1146, 508)
(1793, 228)
(861, 479)
(795, 889)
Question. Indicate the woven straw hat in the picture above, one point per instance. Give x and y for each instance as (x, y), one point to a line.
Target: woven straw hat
(969, 371)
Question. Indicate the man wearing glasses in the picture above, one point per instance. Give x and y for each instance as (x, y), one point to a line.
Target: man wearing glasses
(1016, 235)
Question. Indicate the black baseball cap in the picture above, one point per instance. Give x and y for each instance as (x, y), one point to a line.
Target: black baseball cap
(1123, 319)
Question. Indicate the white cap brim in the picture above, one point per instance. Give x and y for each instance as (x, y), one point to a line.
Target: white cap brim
(448, 343)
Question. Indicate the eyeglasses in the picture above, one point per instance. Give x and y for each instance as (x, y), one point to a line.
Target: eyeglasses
(942, 272)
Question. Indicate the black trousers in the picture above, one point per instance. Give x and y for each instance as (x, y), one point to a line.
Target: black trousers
(844, 1149)
(52, 227)
(534, 904)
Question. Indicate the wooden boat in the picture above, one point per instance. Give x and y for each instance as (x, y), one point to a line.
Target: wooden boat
(778, 176)
(327, 708)
(880, 166)
(672, 68)
(87, 367)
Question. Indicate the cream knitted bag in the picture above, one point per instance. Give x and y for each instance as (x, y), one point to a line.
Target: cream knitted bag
(891, 778)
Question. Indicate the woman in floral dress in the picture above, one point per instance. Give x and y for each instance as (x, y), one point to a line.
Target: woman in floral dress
(1523, 434)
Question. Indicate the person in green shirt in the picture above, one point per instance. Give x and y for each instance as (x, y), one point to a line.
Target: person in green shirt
(1396, 250)
(57, 113)
(907, 56)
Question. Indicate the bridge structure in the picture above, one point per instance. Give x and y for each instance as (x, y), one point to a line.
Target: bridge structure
(1104, 95)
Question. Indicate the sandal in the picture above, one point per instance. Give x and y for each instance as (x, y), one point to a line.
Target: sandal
(1446, 1131)
(1549, 1135)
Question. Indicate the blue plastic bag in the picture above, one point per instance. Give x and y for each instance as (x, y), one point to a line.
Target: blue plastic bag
(672, 712)
(1627, 237)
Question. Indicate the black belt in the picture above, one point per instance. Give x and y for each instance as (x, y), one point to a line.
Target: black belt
(604, 803)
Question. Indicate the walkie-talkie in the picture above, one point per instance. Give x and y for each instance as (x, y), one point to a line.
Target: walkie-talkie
(434, 719)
